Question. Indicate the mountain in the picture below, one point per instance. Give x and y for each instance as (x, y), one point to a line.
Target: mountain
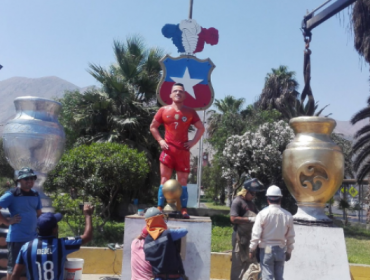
(51, 87)
(46, 87)
(349, 130)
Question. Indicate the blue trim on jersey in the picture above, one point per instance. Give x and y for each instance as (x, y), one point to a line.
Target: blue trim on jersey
(48, 255)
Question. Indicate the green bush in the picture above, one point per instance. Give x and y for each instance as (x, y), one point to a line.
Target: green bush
(73, 213)
(112, 233)
(107, 172)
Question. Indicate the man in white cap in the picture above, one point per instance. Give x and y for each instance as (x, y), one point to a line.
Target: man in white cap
(273, 233)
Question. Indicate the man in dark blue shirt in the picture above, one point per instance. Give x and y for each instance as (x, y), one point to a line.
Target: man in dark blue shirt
(159, 247)
(24, 205)
(44, 257)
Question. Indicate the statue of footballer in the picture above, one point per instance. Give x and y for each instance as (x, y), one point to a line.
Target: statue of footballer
(175, 146)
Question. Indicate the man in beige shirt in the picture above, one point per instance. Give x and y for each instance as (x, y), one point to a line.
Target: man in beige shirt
(273, 232)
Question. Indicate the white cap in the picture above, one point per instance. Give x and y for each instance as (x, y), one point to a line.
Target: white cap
(273, 191)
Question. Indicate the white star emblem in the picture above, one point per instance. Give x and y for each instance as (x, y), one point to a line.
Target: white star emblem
(188, 82)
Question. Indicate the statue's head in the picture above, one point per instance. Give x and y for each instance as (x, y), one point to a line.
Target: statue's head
(178, 94)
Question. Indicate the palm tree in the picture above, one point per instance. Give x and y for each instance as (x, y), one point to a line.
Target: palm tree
(123, 108)
(361, 147)
(121, 111)
(135, 74)
(228, 105)
(361, 27)
(280, 91)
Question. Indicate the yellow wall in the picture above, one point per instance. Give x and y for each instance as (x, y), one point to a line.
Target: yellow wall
(105, 261)
(360, 272)
(98, 260)
(220, 265)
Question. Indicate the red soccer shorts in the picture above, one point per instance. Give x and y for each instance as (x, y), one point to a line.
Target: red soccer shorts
(176, 159)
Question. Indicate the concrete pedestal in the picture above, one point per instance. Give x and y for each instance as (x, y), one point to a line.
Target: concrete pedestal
(319, 253)
(196, 253)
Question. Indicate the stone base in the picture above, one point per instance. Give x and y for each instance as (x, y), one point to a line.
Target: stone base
(319, 253)
(196, 253)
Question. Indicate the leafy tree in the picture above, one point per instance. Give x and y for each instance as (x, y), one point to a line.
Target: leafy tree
(229, 124)
(230, 118)
(233, 120)
(227, 106)
(109, 172)
(193, 170)
(6, 171)
(259, 155)
(212, 181)
(73, 213)
(346, 146)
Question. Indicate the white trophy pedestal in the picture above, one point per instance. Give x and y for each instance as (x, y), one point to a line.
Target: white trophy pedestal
(319, 253)
(195, 247)
(312, 213)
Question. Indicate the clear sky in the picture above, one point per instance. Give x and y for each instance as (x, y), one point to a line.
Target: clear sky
(60, 37)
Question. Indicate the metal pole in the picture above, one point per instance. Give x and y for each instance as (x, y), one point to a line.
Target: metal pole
(191, 9)
(199, 177)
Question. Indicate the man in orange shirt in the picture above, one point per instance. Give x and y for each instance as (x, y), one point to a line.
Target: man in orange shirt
(176, 119)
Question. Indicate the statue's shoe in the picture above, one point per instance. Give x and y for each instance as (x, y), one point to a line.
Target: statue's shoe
(185, 214)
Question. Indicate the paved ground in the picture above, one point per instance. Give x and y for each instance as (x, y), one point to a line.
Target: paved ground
(107, 277)
(100, 277)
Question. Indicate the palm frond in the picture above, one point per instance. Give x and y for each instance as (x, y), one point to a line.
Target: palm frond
(364, 153)
(362, 131)
(363, 172)
(362, 143)
(360, 115)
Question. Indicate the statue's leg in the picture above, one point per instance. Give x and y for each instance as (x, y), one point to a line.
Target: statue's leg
(182, 177)
(182, 167)
(166, 173)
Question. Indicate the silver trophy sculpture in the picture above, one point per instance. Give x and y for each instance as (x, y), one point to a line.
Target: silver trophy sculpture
(35, 139)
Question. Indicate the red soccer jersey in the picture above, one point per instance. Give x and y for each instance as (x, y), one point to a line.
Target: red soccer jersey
(176, 124)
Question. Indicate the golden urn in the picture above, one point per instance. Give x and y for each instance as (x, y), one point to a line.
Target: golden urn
(172, 191)
(313, 167)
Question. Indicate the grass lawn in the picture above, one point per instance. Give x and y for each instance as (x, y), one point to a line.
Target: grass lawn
(221, 233)
(210, 205)
(358, 245)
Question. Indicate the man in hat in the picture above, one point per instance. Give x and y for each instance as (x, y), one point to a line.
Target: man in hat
(44, 257)
(175, 146)
(24, 205)
(273, 233)
(160, 249)
(242, 215)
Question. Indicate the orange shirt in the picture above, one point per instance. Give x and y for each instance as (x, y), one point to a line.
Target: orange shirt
(176, 124)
